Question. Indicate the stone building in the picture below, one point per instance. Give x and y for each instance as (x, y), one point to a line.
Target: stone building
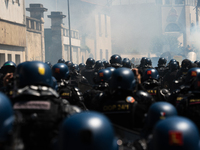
(136, 23)
(57, 41)
(35, 33)
(12, 31)
(21, 37)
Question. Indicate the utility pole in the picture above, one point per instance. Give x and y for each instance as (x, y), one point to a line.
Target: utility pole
(70, 45)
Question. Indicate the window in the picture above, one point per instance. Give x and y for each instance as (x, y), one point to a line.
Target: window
(106, 54)
(106, 32)
(101, 54)
(2, 59)
(17, 59)
(100, 33)
(9, 57)
(172, 27)
(179, 1)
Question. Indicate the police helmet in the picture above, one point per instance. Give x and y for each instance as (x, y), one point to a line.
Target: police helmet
(122, 78)
(69, 64)
(112, 69)
(60, 71)
(191, 75)
(186, 64)
(159, 111)
(106, 63)
(61, 60)
(81, 66)
(74, 68)
(90, 62)
(148, 62)
(172, 60)
(8, 67)
(173, 66)
(99, 65)
(87, 131)
(126, 63)
(176, 133)
(34, 73)
(142, 61)
(150, 74)
(162, 62)
(49, 63)
(104, 75)
(116, 60)
(197, 61)
(6, 118)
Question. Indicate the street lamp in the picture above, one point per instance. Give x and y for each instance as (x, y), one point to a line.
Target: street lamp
(70, 45)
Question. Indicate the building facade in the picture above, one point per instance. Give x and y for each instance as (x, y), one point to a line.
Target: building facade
(57, 41)
(13, 31)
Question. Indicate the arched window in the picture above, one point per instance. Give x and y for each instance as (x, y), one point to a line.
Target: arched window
(172, 27)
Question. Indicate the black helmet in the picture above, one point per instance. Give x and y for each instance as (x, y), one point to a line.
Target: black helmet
(122, 78)
(87, 131)
(60, 71)
(173, 66)
(34, 73)
(74, 68)
(126, 63)
(191, 75)
(159, 111)
(69, 64)
(116, 60)
(162, 62)
(99, 65)
(150, 74)
(8, 67)
(90, 62)
(49, 63)
(81, 66)
(112, 69)
(104, 75)
(142, 61)
(106, 63)
(148, 63)
(197, 61)
(175, 133)
(186, 64)
(61, 60)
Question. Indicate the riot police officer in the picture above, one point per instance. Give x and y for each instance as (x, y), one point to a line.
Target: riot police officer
(106, 64)
(116, 61)
(151, 83)
(87, 131)
(122, 105)
(61, 60)
(40, 105)
(81, 67)
(161, 67)
(175, 133)
(158, 111)
(73, 94)
(168, 79)
(75, 77)
(185, 66)
(126, 63)
(88, 72)
(101, 84)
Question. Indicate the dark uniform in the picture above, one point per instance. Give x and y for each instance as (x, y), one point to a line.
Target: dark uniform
(41, 107)
(123, 106)
(88, 72)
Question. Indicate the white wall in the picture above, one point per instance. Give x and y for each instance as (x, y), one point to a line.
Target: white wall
(12, 11)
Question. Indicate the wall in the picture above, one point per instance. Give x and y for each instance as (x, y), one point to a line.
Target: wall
(12, 11)
(33, 46)
(12, 34)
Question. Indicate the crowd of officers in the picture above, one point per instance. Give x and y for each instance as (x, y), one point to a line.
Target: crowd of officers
(100, 106)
